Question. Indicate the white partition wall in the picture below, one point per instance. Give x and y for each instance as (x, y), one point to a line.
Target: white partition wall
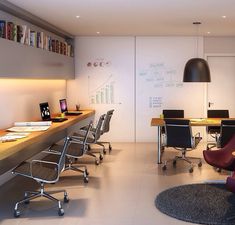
(138, 77)
(104, 68)
(160, 64)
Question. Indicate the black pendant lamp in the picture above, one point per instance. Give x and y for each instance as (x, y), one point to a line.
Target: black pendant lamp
(197, 69)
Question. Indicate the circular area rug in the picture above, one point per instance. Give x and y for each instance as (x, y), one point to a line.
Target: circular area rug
(208, 204)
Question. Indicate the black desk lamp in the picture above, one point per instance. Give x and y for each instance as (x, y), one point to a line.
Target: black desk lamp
(197, 69)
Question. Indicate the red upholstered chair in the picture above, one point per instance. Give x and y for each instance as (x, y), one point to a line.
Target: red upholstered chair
(222, 158)
(230, 183)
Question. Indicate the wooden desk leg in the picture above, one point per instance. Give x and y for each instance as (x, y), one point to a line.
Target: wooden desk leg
(159, 145)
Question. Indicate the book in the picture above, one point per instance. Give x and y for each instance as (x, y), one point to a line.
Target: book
(2, 28)
(10, 26)
(19, 33)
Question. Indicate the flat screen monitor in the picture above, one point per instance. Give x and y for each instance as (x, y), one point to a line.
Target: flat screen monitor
(63, 105)
(45, 111)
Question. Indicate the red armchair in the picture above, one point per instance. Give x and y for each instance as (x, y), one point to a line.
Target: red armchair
(223, 158)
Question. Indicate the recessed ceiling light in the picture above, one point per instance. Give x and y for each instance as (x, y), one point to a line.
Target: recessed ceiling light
(208, 32)
(77, 17)
(224, 17)
(98, 32)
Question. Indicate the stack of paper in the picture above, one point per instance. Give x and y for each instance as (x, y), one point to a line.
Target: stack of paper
(30, 126)
(13, 136)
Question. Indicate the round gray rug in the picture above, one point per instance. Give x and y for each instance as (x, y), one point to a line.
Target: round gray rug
(208, 204)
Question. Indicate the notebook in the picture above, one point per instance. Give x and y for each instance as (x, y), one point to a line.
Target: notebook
(64, 109)
(46, 115)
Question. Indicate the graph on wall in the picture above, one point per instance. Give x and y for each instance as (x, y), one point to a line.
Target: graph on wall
(102, 92)
(102, 83)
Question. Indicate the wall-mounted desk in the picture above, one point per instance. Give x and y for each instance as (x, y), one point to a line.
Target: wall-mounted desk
(158, 122)
(13, 153)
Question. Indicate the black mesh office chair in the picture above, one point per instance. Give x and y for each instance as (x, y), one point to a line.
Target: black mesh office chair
(173, 113)
(93, 138)
(214, 131)
(179, 136)
(170, 114)
(76, 150)
(227, 130)
(44, 172)
(106, 128)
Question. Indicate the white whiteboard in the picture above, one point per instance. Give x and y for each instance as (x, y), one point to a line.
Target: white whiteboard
(104, 68)
(160, 64)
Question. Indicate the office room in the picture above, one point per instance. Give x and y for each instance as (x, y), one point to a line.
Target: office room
(117, 112)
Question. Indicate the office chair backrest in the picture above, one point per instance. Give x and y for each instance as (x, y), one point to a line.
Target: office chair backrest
(173, 113)
(227, 130)
(217, 113)
(178, 133)
(106, 123)
(98, 127)
(63, 154)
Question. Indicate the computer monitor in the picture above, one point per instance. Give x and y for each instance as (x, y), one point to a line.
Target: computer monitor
(63, 105)
(45, 111)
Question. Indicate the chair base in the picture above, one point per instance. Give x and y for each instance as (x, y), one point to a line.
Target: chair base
(184, 158)
(209, 146)
(101, 152)
(77, 169)
(106, 142)
(30, 195)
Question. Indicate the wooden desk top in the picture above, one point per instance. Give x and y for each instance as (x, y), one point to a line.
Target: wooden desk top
(194, 122)
(8, 149)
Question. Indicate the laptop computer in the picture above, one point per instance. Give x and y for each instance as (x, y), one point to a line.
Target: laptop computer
(46, 115)
(64, 109)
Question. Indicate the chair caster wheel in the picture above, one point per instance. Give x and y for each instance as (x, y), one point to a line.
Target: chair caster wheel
(86, 172)
(97, 162)
(16, 213)
(104, 151)
(66, 199)
(60, 212)
(164, 167)
(86, 180)
(190, 170)
(199, 164)
(101, 157)
(110, 148)
(174, 162)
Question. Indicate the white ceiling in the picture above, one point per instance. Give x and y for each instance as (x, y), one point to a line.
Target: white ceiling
(136, 17)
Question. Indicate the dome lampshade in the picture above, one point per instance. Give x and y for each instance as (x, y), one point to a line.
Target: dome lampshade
(197, 70)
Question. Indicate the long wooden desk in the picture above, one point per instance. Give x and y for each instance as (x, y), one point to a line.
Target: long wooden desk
(13, 153)
(158, 122)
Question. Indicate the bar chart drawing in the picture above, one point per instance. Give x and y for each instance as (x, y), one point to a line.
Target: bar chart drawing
(103, 93)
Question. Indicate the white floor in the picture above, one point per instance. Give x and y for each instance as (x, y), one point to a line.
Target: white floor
(121, 191)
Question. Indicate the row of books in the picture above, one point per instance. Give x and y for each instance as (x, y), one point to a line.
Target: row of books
(24, 35)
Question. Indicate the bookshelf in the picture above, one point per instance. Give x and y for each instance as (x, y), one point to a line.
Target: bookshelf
(35, 59)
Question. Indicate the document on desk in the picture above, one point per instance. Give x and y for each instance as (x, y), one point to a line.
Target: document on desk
(30, 126)
(13, 136)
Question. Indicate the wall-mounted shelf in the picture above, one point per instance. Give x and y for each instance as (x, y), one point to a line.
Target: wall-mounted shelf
(22, 61)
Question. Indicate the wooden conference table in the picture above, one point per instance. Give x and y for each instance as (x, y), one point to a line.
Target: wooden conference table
(158, 122)
(13, 153)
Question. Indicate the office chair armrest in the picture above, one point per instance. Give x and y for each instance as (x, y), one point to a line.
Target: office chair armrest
(51, 151)
(197, 135)
(42, 162)
(77, 139)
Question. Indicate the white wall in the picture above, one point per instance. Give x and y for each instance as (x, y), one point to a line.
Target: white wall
(20, 98)
(104, 68)
(123, 61)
